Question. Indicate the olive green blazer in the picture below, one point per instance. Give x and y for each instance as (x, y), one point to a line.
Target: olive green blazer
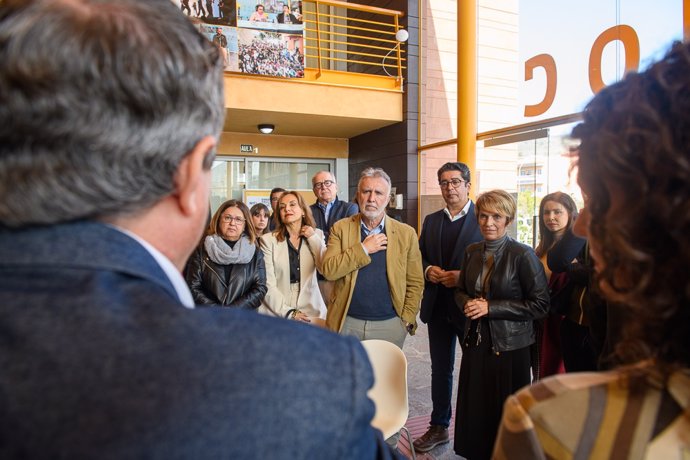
(345, 256)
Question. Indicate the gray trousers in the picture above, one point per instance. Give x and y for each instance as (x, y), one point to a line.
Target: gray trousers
(391, 330)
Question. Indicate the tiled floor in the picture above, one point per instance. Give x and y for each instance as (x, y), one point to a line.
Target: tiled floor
(419, 392)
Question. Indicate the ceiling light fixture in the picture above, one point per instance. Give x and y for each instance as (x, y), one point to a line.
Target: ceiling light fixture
(266, 128)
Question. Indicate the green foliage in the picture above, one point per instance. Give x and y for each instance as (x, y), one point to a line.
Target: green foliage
(527, 209)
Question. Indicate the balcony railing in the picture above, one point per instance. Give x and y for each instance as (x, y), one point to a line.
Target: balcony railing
(349, 43)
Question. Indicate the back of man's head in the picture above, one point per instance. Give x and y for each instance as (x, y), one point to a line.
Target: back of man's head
(100, 100)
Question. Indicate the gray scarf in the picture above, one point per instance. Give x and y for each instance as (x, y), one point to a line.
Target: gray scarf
(221, 253)
(490, 249)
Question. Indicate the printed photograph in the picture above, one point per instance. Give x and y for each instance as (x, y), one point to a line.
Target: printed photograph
(210, 11)
(225, 38)
(265, 52)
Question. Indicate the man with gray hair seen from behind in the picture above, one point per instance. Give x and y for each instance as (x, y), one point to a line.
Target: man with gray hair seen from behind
(366, 252)
(110, 111)
(328, 210)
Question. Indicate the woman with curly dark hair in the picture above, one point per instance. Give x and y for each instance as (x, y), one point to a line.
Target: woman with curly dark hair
(634, 170)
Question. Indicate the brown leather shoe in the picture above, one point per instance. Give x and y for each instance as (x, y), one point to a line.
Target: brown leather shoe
(434, 436)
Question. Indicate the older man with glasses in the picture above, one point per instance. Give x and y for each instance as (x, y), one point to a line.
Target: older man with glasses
(327, 210)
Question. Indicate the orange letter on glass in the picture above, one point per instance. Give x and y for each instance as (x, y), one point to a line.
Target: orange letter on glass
(549, 65)
(631, 44)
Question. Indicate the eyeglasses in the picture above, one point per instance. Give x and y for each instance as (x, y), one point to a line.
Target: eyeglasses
(454, 182)
(230, 219)
(326, 183)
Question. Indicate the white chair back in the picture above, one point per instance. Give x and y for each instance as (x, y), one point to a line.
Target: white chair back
(389, 392)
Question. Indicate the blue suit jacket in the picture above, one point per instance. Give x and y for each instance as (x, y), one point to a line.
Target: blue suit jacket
(98, 359)
(339, 210)
(430, 246)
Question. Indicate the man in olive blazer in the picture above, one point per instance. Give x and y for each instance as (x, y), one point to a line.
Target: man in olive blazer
(367, 244)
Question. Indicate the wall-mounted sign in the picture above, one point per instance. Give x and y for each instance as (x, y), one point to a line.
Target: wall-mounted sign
(246, 148)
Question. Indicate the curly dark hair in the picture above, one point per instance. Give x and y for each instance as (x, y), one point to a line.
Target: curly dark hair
(634, 170)
(547, 238)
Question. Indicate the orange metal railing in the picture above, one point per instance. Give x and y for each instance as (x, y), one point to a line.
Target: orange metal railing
(352, 38)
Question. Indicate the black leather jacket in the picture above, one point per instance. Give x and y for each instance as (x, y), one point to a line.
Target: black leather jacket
(246, 285)
(518, 293)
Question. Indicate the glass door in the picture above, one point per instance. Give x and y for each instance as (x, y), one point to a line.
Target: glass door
(251, 179)
(228, 178)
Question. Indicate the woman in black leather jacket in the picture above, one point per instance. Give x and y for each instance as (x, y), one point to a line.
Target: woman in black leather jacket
(227, 269)
(502, 289)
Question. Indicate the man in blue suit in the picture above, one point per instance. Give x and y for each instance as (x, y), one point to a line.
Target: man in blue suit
(445, 235)
(327, 210)
(110, 111)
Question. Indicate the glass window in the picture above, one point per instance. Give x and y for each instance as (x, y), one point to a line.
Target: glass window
(545, 59)
(538, 166)
(534, 65)
(227, 181)
(232, 177)
(537, 60)
(288, 175)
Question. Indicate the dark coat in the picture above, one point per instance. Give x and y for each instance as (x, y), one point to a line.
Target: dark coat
(245, 288)
(430, 246)
(605, 318)
(293, 19)
(100, 359)
(340, 210)
(518, 293)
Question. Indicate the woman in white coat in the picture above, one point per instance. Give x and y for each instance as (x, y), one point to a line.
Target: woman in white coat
(292, 254)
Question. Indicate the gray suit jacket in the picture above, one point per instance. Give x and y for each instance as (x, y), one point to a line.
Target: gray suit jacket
(98, 359)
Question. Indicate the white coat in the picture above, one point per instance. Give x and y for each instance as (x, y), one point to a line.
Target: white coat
(277, 260)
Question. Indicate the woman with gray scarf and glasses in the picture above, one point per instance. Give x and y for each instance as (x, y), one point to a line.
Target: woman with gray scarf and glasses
(228, 267)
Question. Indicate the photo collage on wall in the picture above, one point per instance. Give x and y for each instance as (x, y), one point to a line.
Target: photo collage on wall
(262, 37)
